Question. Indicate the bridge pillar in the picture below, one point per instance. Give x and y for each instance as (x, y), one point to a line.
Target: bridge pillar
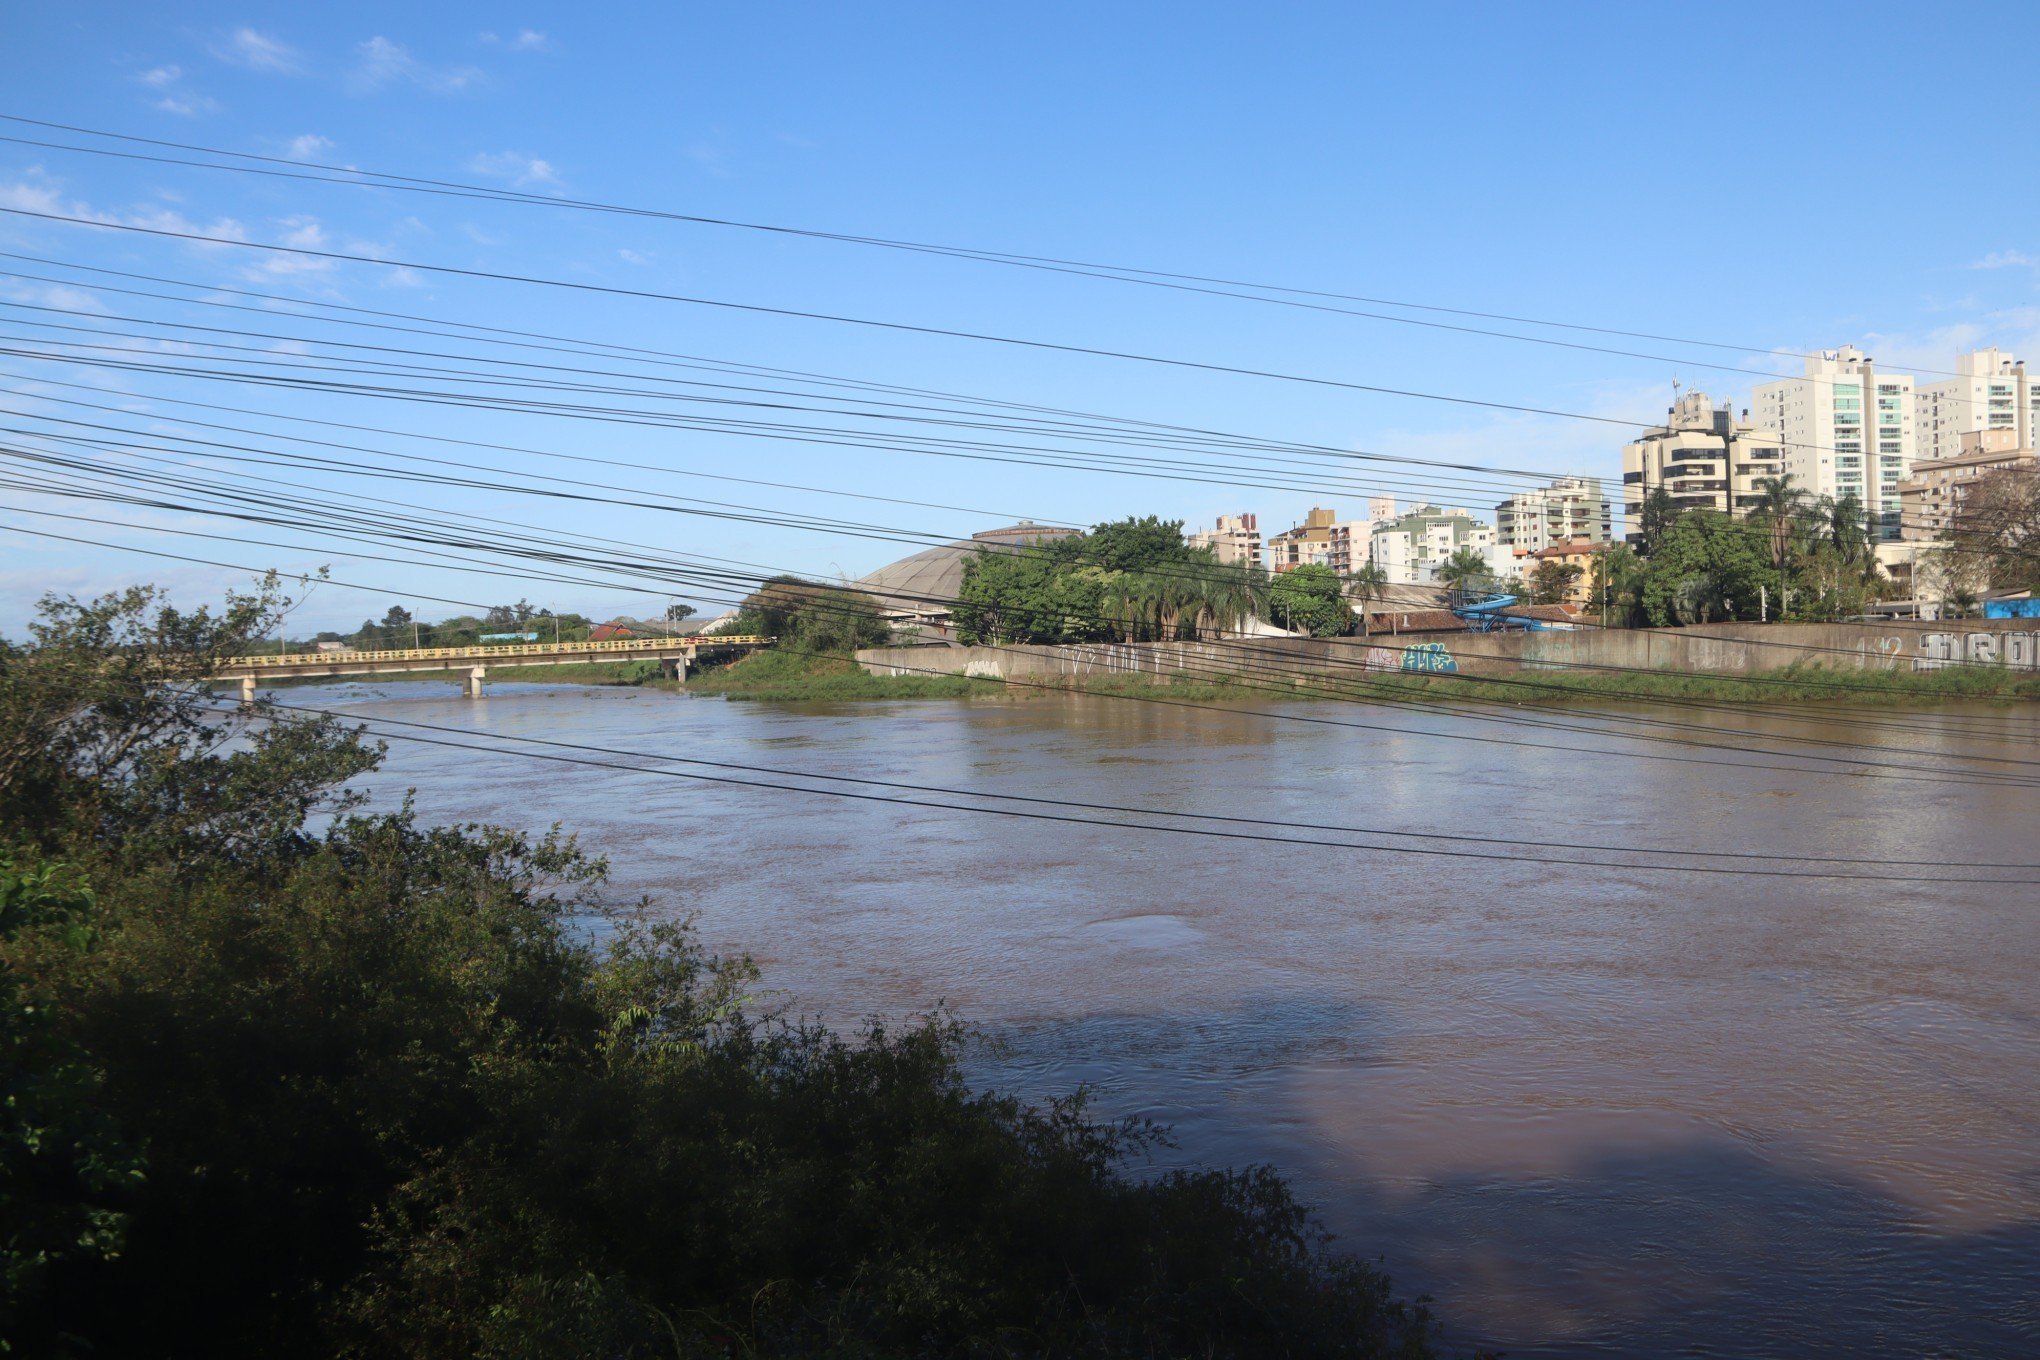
(475, 678)
(247, 691)
(676, 668)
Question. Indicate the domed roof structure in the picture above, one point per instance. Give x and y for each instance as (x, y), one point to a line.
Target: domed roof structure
(925, 585)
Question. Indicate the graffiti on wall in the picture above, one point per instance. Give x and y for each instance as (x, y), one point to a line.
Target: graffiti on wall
(1428, 656)
(2019, 651)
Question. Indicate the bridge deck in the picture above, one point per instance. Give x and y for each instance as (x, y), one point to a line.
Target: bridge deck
(469, 658)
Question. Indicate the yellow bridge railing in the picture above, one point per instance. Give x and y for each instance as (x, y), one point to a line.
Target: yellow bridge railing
(592, 650)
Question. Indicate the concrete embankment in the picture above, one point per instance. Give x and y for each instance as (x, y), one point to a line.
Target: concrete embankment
(1723, 649)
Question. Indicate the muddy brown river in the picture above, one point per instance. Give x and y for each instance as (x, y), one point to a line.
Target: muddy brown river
(1594, 1111)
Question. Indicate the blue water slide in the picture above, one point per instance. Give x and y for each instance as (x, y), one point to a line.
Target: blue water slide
(1490, 613)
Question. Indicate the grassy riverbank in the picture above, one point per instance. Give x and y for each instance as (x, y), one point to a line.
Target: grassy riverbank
(790, 676)
(786, 676)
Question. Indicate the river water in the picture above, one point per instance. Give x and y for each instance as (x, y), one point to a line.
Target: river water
(1592, 1111)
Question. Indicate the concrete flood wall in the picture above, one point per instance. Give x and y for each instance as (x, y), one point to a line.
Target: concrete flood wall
(1726, 648)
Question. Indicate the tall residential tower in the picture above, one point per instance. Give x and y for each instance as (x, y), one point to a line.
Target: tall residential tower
(1846, 429)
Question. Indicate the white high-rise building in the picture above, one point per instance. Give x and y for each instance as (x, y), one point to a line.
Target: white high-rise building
(1846, 429)
(1990, 393)
(1570, 508)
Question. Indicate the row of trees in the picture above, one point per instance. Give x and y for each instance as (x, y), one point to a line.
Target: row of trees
(1133, 580)
(1792, 556)
(284, 1076)
(811, 616)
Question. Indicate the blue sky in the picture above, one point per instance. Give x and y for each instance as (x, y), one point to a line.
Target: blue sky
(1763, 177)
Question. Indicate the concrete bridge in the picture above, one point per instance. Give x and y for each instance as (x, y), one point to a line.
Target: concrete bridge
(674, 654)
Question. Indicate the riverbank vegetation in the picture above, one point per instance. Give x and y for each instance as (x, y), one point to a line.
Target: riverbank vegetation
(793, 674)
(1132, 580)
(288, 1075)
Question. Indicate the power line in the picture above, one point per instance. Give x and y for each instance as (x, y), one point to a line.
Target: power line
(356, 177)
(1856, 765)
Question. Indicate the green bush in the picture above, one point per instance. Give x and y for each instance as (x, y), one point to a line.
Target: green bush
(362, 1087)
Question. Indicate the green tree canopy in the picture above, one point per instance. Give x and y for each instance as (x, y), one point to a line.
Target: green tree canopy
(1133, 580)
(1310, 599)
(1707, 568)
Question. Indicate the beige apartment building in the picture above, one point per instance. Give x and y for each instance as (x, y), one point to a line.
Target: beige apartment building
(1325, 540)
(1990, 392)
(1570, 508)
(1237, 539)
(1703, 458)
(1931, 499)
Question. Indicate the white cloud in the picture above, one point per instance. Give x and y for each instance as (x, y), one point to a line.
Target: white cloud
(28, 197)
(635, 256)
(166, 219)
(515, 166)
(258, 52)
(386, 63)
(188, 105)
(59, 295)
(524, 40)
(176, 97)
(2008, 259)
(309, 147)
(301, 233)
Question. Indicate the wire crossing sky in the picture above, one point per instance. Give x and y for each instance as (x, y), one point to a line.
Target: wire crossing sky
(1429, 221)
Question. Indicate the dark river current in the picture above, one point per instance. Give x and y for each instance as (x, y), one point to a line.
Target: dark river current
(1592, 1111)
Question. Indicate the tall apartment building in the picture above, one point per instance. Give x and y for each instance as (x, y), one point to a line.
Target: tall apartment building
(1302, 544)
(1702, 457)
(1411, 548)
(1846, 428)
(1323, 539)
(1570, 508)
(1933, 496)
(1991, 392)
(1236, 539)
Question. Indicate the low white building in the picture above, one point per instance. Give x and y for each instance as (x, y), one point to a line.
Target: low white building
(1411, 548)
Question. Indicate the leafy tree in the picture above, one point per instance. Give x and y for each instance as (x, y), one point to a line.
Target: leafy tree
(679, 613)
(1134, 544)
(1655, 518)
(64, 1164)
(1999, 526)
(393, 1102)
(1552, 581)
(1131, 581)
(1310, 598)
(1618, 586)
(1707, 567)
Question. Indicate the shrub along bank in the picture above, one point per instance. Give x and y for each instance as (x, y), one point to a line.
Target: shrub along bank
(280, 1082)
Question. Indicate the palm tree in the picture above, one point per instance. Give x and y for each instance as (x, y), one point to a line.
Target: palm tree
(1464, 570)
(1368, 584)
(1779, 505)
